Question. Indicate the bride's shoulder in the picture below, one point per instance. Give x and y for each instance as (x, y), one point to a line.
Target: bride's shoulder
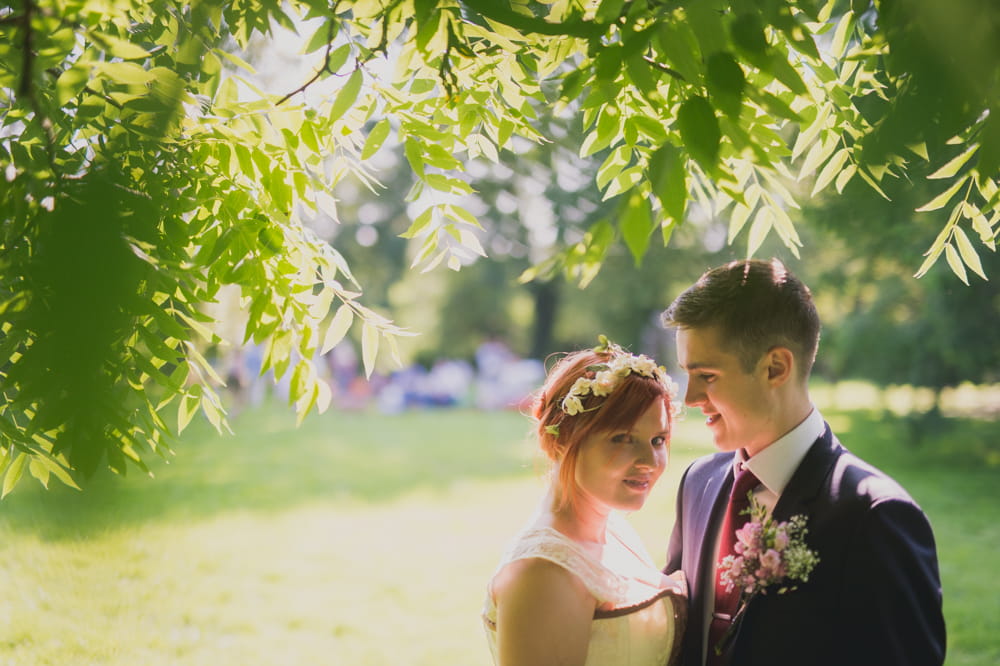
(543, 554)
(536, 576)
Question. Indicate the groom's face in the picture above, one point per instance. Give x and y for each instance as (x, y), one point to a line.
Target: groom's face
(736, 403)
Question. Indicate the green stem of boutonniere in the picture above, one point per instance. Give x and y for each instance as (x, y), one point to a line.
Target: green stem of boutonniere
(730, 634)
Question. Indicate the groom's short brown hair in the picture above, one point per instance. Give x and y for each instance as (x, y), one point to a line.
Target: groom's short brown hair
(755, 305)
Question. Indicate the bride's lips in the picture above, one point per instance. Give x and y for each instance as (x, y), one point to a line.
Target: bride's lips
(712, 419)
(638, 483)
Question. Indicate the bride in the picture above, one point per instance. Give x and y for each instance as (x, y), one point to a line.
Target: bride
(576, 586)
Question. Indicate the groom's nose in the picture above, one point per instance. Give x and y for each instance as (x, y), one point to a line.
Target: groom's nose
(693, 395)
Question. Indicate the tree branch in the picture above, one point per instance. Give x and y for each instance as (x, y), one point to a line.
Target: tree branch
(319, 72)
(24, 87)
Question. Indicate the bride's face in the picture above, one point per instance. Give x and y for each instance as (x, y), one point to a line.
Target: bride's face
(617, 469)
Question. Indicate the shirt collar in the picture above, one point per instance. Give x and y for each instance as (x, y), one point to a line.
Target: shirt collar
(775, 465)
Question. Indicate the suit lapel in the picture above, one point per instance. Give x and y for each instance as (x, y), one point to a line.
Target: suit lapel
(711, 493)
(809, 477)
(716, 496)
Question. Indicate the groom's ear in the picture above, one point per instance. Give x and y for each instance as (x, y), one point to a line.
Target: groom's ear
(780, 365)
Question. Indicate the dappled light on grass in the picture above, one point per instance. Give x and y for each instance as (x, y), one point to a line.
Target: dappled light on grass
(367, 539)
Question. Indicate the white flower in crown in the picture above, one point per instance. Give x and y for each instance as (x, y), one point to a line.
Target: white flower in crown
(604, 383)
(607, 377)
(572, 404)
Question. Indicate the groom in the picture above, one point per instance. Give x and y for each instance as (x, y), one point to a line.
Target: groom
(747, 334)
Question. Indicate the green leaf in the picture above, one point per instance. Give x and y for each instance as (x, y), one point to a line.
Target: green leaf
(941, 200)
(460, 214)
(609, 10)
(613, 165)
(844, 177)
(841, 35)
(668, 178)
(773, 104)
(726, 82)
(414, 155)
(761, 226)
(369, 347)
(72, 81)
(955, 262)
(14, 473)
(737, 221)
(819, 153)
(830, 170)
(705, 20)
(319, 39)
(187, 407)
(347, 95)
(954, 164)
(119, 48)
(375, 138)
(968, 253)
(299, 383)
(126, 72)
(58, 470)
(748, 36)
(39, 471)
(236, 60)
(339, 325)
(932, 257)
(213, 411)
(700, 132)
(679, 44)
(637, 226)
(420, 224)
(624, 182)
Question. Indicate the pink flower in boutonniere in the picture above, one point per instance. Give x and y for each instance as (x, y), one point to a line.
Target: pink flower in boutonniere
(768, 554)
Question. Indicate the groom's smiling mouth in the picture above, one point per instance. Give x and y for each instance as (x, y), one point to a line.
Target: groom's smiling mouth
(712, 419)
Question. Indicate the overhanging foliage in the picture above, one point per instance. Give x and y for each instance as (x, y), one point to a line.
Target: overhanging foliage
(144, 170)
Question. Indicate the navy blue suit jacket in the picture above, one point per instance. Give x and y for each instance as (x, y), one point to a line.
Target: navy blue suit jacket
(873, 599)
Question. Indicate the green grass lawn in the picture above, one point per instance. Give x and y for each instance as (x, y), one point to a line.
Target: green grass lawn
(368, 539)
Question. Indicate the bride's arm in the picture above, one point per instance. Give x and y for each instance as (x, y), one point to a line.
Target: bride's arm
(543, 615)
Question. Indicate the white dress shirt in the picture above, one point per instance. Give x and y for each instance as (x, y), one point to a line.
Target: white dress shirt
(775, 465)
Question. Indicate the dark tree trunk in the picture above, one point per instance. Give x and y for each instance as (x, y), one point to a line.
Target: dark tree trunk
(546, 303)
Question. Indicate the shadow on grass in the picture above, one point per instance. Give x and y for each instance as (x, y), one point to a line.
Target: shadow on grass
(270, 465)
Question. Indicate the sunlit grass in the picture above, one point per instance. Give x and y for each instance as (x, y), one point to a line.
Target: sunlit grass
(368, 539)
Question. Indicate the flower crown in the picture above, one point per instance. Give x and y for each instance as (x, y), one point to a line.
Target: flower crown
(601, 380)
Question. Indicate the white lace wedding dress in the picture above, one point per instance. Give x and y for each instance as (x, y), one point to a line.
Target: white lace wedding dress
(642, 624)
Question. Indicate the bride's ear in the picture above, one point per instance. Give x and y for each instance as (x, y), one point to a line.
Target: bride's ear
(780, 365)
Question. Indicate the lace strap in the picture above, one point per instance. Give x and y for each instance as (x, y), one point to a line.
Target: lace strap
(549, 544)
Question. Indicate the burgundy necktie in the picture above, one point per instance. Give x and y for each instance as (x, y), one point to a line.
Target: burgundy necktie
(726, 602)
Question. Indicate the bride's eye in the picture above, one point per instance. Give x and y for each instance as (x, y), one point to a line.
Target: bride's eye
(659, 441)
(622, 438)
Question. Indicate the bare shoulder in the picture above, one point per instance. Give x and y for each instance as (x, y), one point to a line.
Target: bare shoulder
(544, 614)
(539, 578)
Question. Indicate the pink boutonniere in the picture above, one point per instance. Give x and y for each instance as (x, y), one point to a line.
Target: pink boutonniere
(769, 555)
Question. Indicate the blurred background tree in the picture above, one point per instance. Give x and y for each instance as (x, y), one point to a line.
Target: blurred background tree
(562, 137)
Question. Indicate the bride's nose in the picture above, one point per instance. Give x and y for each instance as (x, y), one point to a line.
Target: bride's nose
(647, 457)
